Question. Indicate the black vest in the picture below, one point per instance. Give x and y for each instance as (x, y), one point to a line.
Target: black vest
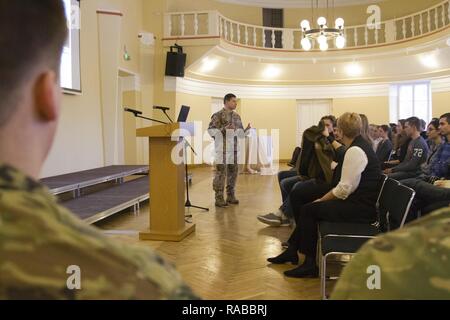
(371, 178)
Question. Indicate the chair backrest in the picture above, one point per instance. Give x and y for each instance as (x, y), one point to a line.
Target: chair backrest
(377, 204)
(394, 204)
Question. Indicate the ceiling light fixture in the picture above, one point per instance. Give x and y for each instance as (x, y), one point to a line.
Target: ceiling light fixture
(322, 34)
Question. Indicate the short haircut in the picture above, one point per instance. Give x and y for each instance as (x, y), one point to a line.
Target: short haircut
(33, 34)
(423, 124)
(414, 122)
(228, 97)
(402, 122)
(446, 116)
(385, 128)
(435, 123)
(330, 118)
(350, 124)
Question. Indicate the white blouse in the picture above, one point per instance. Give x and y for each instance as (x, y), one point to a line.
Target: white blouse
(355, 161)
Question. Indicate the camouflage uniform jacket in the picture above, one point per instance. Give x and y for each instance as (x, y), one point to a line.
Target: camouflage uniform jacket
(39, 240)
(414, 263)
(219, 121)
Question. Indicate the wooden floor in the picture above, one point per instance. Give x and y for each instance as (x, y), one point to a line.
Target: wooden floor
(226, 257)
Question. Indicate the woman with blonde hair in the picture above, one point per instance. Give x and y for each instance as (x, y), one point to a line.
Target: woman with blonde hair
(352, 200)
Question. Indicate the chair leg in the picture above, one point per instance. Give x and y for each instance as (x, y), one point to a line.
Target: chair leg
(323, 278)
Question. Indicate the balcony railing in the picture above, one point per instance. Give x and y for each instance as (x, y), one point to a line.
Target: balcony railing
(212, 24)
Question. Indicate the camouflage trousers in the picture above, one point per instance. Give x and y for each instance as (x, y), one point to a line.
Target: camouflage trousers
(228, 172)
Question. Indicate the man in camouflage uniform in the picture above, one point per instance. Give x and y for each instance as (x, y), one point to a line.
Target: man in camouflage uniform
(45, 251)
(226, 128)
(414, 263)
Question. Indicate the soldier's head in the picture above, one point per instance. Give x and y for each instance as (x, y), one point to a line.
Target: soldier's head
(230, 101)
(444, 125)
(33, 36)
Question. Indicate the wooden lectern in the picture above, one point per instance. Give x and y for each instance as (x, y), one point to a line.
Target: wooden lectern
(167, 194)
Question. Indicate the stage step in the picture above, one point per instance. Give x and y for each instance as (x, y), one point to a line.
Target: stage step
(78, 180)
(100, 205)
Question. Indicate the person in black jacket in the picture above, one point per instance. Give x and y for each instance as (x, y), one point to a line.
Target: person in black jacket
(384, 148)
(352, 200)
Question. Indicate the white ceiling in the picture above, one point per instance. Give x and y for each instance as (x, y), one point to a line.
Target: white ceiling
(298, 3)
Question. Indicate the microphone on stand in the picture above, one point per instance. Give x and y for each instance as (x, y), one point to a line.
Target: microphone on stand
(161, 108)
(136, 112)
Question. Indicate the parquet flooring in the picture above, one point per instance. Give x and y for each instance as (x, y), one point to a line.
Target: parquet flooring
(226, 257)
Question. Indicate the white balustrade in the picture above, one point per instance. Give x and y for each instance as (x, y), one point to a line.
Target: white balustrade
(183, 25)
(412, 26)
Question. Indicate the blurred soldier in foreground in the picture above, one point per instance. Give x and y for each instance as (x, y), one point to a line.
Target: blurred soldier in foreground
(45, 252)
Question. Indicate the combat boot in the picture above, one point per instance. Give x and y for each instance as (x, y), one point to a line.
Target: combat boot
(220, 201)
(231, 199)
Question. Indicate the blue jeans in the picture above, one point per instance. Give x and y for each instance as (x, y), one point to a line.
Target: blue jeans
(287, 180)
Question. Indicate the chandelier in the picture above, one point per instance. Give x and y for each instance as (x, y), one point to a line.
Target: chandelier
(321, 33)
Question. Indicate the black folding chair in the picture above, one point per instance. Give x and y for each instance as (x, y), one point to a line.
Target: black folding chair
(345, 239)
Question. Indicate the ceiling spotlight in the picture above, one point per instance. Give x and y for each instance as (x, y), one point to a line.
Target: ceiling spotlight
(271, 72)
(429, 60)
(354, 69)
(209, 64)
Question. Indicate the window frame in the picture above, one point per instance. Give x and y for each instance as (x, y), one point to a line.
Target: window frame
(394, 103)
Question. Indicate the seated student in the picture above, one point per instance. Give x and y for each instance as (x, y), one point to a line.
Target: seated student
(374, 133)
(412, 264)
(401, 144)
(40, 240)
(303, 193)
(428, 186)
(417, 153)
(288, 179)
(353, 199)
(436, 142)
(384, 148)
(423, 129)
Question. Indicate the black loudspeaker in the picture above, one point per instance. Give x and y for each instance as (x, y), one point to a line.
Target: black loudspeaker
(176, 62)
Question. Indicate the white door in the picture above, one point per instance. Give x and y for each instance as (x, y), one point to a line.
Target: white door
(309, 113)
